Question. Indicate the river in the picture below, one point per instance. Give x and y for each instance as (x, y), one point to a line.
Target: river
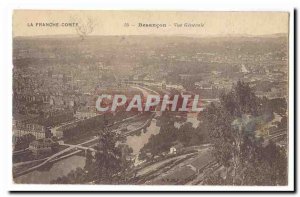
(60, 168)
(136, 142)
(64, 166)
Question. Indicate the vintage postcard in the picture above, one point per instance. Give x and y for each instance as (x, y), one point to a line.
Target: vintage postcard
(151, 98)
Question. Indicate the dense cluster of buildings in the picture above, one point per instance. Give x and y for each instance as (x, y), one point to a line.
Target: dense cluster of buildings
(54, 90)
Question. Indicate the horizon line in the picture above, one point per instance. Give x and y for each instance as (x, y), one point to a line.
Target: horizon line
(159, 35)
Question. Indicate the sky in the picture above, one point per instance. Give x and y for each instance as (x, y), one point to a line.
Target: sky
(25, 22)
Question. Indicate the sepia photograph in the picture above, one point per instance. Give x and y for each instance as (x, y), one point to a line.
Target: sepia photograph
(158, 98)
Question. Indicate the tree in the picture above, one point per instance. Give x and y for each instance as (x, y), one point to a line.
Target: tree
(107, 157)
(268, 166)
(89, 161)
(190, 136)
(234, 147)
(126, 163)
(23, 142)
(77, 176)
(283, 123)
(279, 105)
(241, 100)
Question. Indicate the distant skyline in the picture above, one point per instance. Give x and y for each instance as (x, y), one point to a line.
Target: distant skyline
(28, 23)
